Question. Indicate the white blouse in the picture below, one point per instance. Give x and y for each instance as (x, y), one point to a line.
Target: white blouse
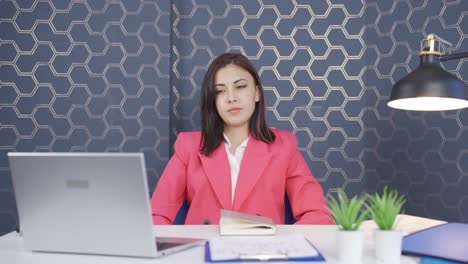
(234, 162)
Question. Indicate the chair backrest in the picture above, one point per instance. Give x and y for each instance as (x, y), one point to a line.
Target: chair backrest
(180, 217)
(288, 215)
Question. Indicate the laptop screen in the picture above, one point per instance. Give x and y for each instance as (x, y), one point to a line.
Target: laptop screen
(92, 203)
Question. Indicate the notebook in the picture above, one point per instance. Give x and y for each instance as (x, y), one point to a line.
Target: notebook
(236, 224)
(89, 203)
(447, 241)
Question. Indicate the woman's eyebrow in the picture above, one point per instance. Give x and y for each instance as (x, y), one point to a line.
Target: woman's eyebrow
(222, 84)
(241, 79)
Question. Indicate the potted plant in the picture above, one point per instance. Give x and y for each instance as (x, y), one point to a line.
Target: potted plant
(348, 215)
(383, 209)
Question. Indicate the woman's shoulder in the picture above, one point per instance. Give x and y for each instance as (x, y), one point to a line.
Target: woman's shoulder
(190, 135)
(283, 137)
(187, 145)
(189, 138)
(283, 134)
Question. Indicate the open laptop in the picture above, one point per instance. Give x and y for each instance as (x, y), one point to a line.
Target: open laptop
(89, 203)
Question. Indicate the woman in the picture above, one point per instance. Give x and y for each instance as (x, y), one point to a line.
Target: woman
(236, 162)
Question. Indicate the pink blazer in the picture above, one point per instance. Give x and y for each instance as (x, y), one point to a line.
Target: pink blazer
(267, 171)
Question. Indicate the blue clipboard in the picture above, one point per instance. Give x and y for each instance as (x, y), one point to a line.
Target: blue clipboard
(263, 258)
(447, 241)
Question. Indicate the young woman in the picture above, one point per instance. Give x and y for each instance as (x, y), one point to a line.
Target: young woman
(236, 162)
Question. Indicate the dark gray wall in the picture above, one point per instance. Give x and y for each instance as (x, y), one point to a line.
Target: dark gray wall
(83, 76)
(125, 76)
(328, 68)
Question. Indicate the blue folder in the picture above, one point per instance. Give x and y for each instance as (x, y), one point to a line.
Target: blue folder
(448, 241)
(429, 260)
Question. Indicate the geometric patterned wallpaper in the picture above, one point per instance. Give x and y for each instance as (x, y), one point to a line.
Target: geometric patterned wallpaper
(125, 76)
(328, 69)
(423, 154)
(83, 76)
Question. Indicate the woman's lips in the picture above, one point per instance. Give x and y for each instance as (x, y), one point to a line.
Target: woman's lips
(234, 110)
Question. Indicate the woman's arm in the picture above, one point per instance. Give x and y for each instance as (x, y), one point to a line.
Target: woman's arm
(304, 192)
(171, 188)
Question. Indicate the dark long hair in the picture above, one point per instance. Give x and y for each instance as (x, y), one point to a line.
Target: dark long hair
(212, 123)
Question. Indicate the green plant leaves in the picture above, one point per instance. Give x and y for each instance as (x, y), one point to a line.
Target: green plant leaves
(383, 209)
(348, 214)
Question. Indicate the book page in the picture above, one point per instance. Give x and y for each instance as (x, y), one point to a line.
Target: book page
(231, 248)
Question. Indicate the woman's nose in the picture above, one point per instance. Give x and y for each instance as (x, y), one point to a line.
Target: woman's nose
(232, 97)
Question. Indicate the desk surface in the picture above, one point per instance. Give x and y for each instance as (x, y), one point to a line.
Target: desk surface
(323, 237)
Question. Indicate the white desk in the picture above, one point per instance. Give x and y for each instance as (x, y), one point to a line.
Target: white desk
(323, 237)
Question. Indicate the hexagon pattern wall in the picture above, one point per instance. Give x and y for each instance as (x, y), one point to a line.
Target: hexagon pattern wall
(125, 76)
(83, 76)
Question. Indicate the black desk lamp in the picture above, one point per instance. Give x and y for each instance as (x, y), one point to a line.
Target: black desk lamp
(429, 87)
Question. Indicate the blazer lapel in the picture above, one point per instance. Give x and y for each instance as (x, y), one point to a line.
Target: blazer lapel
(256, 158)
(218, 171)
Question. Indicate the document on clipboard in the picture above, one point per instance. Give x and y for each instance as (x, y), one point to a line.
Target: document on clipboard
(261, 248)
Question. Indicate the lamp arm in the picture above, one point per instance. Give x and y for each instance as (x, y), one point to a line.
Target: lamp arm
(454, 56)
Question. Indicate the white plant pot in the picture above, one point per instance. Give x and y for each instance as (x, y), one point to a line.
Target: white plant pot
(349, 246)
(387, 246)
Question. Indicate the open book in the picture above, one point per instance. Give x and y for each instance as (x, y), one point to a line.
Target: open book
(240, 224)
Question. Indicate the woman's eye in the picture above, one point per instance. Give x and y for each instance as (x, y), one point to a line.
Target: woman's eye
(219, 91)
(242, 86)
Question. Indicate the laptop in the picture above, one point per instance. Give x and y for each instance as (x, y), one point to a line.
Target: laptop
(87, 203)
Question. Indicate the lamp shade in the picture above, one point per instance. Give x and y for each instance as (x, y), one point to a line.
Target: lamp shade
(429, 88)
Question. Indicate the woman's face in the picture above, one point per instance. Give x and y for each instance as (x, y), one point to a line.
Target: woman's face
(236, 95)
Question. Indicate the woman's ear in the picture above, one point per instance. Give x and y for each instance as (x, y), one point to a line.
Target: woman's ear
(257, 94)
